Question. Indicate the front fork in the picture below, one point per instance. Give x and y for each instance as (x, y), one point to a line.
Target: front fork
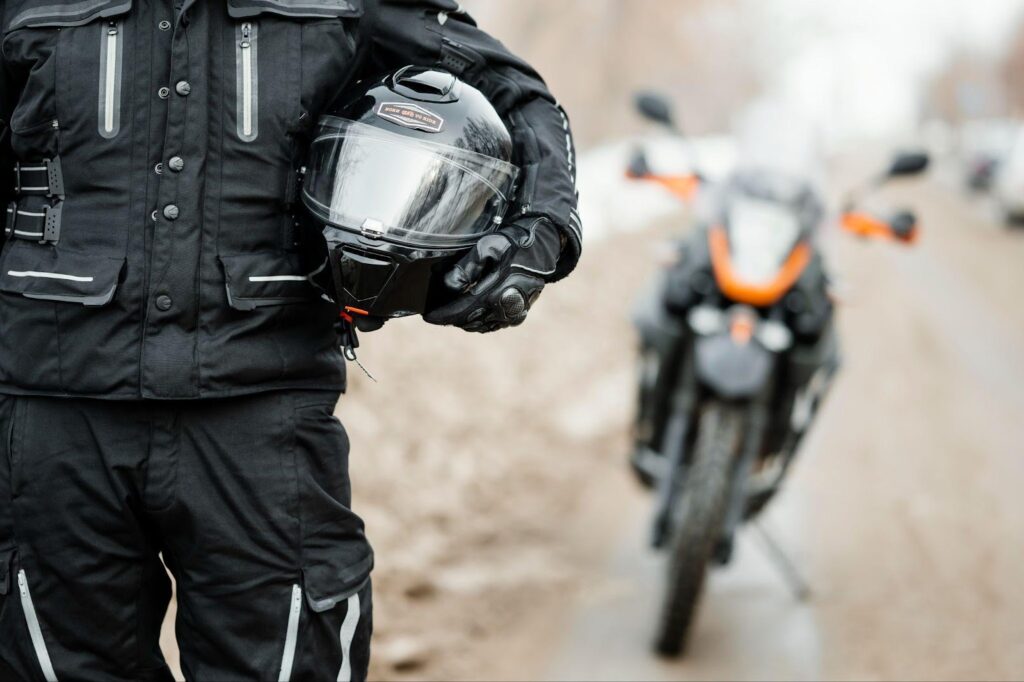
(676, 437)
(756, 427)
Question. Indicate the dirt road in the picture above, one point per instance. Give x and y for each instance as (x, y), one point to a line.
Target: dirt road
(510, 537)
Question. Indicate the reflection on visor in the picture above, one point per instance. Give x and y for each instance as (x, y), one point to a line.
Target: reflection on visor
(391, 186)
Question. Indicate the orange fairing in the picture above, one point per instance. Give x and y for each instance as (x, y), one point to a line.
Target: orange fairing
(683, 186)
(870, 227)
(741, 291)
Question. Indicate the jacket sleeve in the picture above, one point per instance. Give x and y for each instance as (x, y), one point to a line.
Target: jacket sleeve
(439, 33)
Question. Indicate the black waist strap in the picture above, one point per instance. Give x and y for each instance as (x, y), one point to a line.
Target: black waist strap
(31, 216)
(44, 178)
(41, 225)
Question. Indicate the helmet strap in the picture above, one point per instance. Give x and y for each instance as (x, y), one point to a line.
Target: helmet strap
(348, 337)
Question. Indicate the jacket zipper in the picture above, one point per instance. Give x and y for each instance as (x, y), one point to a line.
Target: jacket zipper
(248, 81)
(110, 79)
(34, 631)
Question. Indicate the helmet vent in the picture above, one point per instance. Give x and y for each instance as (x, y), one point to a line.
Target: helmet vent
(426, 85)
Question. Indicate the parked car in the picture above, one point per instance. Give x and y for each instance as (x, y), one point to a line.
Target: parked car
(1009, 183)
(984, 145)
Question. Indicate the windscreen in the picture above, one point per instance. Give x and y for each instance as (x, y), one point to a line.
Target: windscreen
(402, 189)
(772, 137)
(762, 234)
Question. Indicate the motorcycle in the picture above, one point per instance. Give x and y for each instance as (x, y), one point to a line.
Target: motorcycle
(738, 350)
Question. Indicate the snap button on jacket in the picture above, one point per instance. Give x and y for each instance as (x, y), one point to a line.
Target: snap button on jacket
(120, 282)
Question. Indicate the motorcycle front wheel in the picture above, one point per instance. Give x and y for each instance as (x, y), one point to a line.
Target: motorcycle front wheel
(698, 524)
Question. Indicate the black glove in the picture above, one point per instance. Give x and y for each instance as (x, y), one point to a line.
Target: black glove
(501, 277)
(367, 324)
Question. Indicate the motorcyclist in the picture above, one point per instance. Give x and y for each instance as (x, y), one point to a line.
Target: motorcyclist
(168, 374)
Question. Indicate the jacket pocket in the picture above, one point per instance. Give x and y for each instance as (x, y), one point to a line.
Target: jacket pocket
(50, 274)
(262, 279)
(302, 9)
(44, 14)
(65, 52)
(324, 33)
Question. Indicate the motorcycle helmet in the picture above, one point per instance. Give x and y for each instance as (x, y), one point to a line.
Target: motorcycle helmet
(401, 181)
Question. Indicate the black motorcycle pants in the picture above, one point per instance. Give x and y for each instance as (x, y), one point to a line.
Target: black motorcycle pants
(246, 501)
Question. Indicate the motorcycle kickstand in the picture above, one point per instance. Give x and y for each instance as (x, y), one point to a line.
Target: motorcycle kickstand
(795, 581)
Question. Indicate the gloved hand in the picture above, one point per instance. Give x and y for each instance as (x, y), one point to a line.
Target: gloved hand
(501, 278)
(367, 324)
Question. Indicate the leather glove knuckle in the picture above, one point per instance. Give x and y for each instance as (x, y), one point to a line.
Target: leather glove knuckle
(514, 304)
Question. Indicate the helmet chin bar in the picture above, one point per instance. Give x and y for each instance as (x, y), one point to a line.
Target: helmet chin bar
(360, 277)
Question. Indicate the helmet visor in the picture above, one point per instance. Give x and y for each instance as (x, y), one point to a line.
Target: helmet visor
(405, 190)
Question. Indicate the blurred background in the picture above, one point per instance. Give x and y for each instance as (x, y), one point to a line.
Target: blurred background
(492, 472)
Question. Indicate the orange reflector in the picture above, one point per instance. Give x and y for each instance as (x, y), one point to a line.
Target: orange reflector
(742, 329)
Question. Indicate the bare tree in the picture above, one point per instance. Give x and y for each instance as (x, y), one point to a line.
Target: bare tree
(1013, 72)
(597, 53)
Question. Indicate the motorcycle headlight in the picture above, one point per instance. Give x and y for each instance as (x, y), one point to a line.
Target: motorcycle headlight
(706, 321)
(774, 336)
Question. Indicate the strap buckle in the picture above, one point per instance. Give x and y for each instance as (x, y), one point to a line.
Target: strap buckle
(55, 177)
(41, 227)
(51, 223)
(10, 219)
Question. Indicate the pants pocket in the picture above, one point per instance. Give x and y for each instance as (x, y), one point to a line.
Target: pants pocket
(331, 616)
(334, 546)
(336, 557)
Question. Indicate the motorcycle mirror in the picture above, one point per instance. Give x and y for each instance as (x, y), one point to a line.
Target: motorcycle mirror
(907, 164)
(904, 226)
(900, 227)
(638, 165)
(655, 107)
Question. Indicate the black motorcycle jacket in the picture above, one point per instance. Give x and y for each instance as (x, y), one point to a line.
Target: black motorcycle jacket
(148, 158)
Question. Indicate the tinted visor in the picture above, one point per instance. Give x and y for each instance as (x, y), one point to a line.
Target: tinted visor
(404, 190)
